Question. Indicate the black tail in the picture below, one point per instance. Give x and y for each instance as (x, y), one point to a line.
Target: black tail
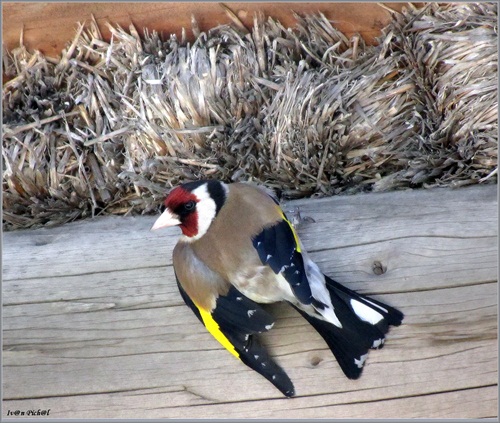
(364, 321)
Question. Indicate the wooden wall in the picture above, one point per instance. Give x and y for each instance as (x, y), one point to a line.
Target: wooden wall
(49, 26)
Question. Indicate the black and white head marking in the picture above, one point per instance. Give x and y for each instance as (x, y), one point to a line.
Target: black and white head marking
(211, 196)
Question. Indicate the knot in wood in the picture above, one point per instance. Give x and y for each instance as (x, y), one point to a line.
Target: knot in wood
(315, 360)
(378, 268)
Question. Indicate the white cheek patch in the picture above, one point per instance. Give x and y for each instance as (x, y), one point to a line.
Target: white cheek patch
(206, 210)
(366, 313)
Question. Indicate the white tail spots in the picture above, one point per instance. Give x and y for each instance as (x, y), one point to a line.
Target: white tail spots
(268, 327)
(256, 356)
(377, 343)
(238, 298)
(269, 256)
(366, 313)
(361, 360)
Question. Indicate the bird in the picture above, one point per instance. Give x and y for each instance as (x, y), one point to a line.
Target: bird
(238, 251)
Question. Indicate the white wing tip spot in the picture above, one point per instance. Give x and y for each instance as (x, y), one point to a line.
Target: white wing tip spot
(268, 327)
(361, 361)
(283, 268)
(378, 342)
(251, 312)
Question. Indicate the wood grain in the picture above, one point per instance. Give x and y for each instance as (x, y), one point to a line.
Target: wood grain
(93, 325)
(49, 26)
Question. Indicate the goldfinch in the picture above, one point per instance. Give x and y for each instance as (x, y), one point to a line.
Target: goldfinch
(238, 250)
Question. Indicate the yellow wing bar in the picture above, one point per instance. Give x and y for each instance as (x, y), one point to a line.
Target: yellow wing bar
(214, 329)
(297, 242)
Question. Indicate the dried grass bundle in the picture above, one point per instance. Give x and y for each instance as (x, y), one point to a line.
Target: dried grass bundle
(109, 127)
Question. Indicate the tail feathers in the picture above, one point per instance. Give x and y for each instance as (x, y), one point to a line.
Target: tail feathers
(350, 351)
(364, 323)
(366, 308)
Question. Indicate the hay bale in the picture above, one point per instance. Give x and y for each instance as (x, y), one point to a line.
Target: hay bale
(109, 127)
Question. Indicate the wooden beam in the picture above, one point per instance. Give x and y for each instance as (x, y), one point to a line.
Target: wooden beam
(93, 325)
(49, 26)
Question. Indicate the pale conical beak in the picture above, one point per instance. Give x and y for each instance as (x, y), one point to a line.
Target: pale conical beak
(165, 220)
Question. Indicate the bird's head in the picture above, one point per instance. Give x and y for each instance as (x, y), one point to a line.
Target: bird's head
(193, 207)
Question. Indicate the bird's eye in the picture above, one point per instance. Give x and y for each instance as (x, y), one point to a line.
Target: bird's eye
(190, 205)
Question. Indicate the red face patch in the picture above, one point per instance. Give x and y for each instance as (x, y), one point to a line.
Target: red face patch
(178, 197)
(189, 225)
(175, 202)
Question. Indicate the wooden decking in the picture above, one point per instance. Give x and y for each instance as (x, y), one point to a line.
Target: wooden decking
(94, 327)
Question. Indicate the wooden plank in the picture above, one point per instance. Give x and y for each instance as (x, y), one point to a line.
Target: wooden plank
(102, 332)
(49, 26)
(81, 336)
(363, 228)
(163, 359)
(480, 402)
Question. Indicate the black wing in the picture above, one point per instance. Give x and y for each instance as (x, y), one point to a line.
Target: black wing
(278, 246)
(234, 322)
